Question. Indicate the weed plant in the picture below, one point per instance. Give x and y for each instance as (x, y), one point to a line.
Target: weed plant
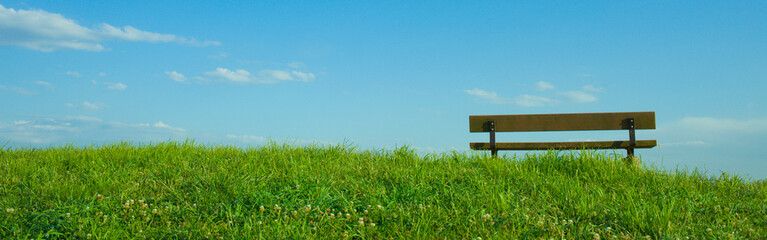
(188, 191)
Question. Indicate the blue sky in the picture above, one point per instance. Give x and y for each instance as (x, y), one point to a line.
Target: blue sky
(385, 74)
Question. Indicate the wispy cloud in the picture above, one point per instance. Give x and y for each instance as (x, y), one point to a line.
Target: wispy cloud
(534, 101)
(44, 84)
(727, 125)
(73, 73)
(489, 96)
(527, 100)
(175, 76)
(695, 143)
(238, 75)
(165, 126)
(219, 56)
(522, 101)
(93, 106)
(579, 97)
(44, 31)
(265, 76)
(22, 91)
(247, 138)
(296, 65)
(543, 86)
(592, 88)
(83, 129)
(116, 86)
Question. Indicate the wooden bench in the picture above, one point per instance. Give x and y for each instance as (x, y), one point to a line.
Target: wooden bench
(563, 122)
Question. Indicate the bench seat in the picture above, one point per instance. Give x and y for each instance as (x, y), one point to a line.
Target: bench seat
(563, 145)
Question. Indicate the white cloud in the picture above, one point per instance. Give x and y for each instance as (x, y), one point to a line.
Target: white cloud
(44, 84)
(247, 138)
(533, 101)
(44, 31)
(175, 76)
(579, 97)
(238, 75)
(684, 144)
(82, 118)
(18, 90)
(490, 96)
(522, 101)
(84, 130)
(296, 65)
(275, 75)
(166, 126)
(707, 124)
(543, 86)
(116, 86)
(73, 73)
(101, 74)
(219, 56)
(265, 76)
(93, 106)
(592, 88)
(302, 76)
(129, 33)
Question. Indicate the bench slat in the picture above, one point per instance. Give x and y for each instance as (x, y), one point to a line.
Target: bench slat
(563, 145)
(562, 122)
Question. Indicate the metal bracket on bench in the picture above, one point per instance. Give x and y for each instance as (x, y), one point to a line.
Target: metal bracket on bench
(632, 138)
(490, 126)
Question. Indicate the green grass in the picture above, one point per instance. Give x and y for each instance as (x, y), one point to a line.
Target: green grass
(187, 191)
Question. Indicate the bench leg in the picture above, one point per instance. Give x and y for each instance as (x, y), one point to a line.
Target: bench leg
(493, 149)
(632, 139)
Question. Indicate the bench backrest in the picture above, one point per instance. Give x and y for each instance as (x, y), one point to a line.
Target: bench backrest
(562, 122)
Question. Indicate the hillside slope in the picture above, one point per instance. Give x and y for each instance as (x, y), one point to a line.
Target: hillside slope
(184, 190)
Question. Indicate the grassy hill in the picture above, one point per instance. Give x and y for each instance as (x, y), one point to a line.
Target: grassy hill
(184, 190)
